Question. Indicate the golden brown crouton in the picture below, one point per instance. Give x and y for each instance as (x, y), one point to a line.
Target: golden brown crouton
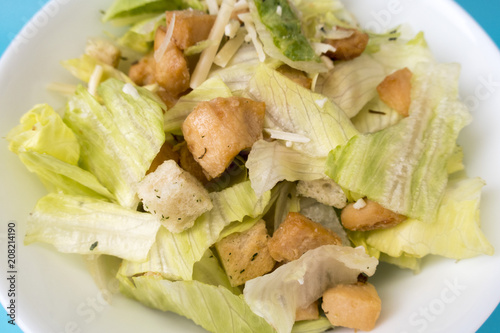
(355, 306)
(191, 27)
(348, 48)
(166, 153)
(217, 130)
(370, 217)
(296, 76)
(171, 71)
(309, 313)
(395, 91)
(143, 72)
(244, 255)
(297, 235)
(188, 163)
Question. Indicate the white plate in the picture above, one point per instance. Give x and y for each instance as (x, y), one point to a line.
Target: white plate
(56, 294)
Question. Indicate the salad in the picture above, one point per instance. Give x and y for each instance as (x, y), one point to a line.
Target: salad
(134, 180)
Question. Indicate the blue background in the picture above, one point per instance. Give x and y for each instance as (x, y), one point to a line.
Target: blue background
(15, 14)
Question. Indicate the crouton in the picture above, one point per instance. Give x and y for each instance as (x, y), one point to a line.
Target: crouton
(167, 98)
(171, 71)
(369, 217)
(166, 153)
(103, 51)
(296, 76)
(348, 48)
(297, 235)
(395, 91)
(244, 255)
(188, 163)
(217, 130)
(308, 313)
(355, 306)
(191, 27)
(325, 191)
(174, 196)
(143, 71)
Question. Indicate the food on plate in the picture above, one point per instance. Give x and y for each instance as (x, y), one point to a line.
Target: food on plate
(252, 161)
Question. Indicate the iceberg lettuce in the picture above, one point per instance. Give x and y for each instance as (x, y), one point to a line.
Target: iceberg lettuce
(140, 37)
(277, 295)
(83, 67)
(119, 139)
(78, 224)
(404, 167)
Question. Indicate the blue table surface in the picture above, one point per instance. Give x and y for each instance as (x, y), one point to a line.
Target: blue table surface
(17, 13)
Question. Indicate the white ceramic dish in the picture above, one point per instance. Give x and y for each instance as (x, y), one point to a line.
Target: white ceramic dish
(55, 292)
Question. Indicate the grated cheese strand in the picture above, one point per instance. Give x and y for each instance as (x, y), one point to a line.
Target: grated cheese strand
(207, 57)
(286, 136)
(213, 7)
(249, 25)
(229, 49)
(166, 41)
(94, 80)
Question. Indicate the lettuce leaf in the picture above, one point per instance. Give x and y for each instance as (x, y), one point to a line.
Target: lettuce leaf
(277, 295)
(295, 109)
(312, 326)
(50, 149)
(83, 67)
(77, 224)
(215, 308)
(210, 89)
(140, 37)
(281, 35)
(271, 162)
(404, 167)
(125, 123)
(455, 233)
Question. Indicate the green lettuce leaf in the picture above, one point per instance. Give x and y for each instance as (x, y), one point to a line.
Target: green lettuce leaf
(271, 162)
(295, 109)
(83, 67)
(277, 295)
(404, 167)
(282, 35)
(50, 149)
(214, 308)
(210, 89)
(209, 271)
(140, 37)
(455, 233)
(312, 326)
(77, 224)
(177, 253)
(125, 123)
(375, 116)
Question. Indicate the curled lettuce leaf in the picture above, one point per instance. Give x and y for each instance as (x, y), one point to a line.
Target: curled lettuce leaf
(125, 123)
(77, 224)
(83, 67)
(214, 308)
(277, 295)
(455, 233)
(404, 167)
(271, 162)
(282, 37)
(295, 109)
(140, 36)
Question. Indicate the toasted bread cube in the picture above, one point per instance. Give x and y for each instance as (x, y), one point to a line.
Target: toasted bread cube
(308, 313)
(171, 71)
(244, 255)
(174, 196)
(371, 216)
(395, 91)
(166, 153)
(217, 130)
(296, 76)
(348, 48)
(143, 72)
(104, 51)
(297, 235)
(355, 306)
(188, 163)
(191, 26)
(325, 191)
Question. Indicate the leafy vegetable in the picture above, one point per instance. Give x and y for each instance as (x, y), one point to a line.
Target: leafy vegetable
(73, 224)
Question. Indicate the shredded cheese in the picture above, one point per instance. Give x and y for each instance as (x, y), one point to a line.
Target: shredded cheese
(62, 88)
(286, 136)
(327, 61)
(204, 64)
(160, 52)
(213, 7)
(241, 5)
(230, 48)
(232, 28)
(321, 48)
(129, 89)
(249, 25)
(94, 80)
(279, 10)
(321, 102)
(338, 33)
(359, 204)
